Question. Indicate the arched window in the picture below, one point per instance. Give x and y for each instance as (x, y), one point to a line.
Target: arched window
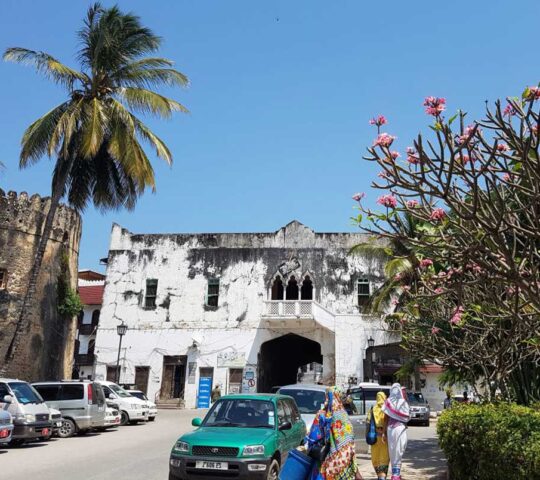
(95, 318)
(91, 347)
(307, 288)
(277, 289)
(292, 289)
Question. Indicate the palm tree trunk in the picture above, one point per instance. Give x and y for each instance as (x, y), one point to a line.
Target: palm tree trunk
(25, 312)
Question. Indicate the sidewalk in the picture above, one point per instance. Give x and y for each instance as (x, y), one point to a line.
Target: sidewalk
(423, 459)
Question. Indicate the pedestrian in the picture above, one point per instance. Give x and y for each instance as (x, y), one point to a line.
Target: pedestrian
(331, 441)
(379, 451)
(448, 400)
(216, 393)
(396, 408)
(465, 397)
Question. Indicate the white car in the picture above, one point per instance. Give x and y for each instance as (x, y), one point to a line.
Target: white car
(132, 409)
(56, 420)
(152, 407)
(112, 417)
(308, 398)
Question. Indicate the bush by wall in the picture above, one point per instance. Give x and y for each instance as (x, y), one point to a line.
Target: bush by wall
(491, 442)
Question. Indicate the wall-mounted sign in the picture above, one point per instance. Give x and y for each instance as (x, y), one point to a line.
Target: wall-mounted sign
(249, 379)
(192, 372)
(231, 359)
(205, 387)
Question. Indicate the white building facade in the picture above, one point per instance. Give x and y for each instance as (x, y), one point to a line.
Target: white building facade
(247, 311)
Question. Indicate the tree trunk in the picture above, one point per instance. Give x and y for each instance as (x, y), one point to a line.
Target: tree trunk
(24, 314)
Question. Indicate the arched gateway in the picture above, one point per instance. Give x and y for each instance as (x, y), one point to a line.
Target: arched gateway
(280, 359)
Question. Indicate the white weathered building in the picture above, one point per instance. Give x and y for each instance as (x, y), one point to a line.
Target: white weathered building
(246, 309)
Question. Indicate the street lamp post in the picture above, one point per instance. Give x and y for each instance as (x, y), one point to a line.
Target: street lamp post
(121, 330)
(371, 345)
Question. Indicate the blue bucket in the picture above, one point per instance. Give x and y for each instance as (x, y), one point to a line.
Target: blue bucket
(297, 467)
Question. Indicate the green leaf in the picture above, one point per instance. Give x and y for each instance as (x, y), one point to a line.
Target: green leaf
(452, 118)
(526, 93)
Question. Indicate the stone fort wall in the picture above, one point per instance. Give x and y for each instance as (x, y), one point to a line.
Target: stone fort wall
(45, 349)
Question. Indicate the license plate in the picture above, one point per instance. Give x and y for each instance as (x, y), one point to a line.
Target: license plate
(212, 465)
(45, 432)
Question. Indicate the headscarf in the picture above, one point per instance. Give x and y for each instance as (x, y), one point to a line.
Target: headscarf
(378, 413)
(396, 405)
(333, 427)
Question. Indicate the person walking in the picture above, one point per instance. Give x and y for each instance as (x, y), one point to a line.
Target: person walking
(331, 441)
(379, 451)
(448, 400)
(215, 395)
(396, 407)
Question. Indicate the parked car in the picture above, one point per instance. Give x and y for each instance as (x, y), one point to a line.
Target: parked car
(309, 399)
(242, 436)
(132, 409)
(6, 423)
(56, 423)
(112, 418)
(31, 417)
(419, 408)
(152, 407)
(81, 402)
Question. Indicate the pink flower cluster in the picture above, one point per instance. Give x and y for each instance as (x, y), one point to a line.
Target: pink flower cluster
(534, 93)
(412, 203)
(465, 159)
(387, 201)
(467, 134)
(509, 110)
(435, 330)
(502, 147)
(439, 290)
(426, 262)
(358, 196)
(383, 140)
(412, 156)
(456, 317)
(378, 121)
(437, 215)
(507, 177)
(435, 105)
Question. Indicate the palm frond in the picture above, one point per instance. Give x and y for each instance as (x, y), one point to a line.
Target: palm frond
(146, 101)
(397, 265)
(162, 151)
(382, 297)
(46, 64)
(93, 128)
(65, 128)
(372, 250)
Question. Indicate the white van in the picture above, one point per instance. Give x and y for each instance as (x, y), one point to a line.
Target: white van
(31, 416)
(132, 409)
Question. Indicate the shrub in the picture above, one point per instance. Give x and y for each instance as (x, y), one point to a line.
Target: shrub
(491, 441)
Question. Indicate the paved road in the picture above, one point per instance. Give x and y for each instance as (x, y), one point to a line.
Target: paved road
(141, 452)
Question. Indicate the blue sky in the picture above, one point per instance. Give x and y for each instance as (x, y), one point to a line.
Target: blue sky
(280, 97)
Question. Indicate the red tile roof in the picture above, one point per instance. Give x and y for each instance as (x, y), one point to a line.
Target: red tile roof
(431, 368)
(92, 295)
(90, 275)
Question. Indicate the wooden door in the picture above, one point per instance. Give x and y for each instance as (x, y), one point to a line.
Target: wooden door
(141, 378)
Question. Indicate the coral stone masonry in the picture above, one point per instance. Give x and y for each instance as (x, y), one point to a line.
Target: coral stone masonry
(248, 311)
(45, 347)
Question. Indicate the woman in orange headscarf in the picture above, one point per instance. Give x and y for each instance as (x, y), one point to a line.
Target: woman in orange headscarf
(379, 451)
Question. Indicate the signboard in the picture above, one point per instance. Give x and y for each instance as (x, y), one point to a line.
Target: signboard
(192, 371)
(205, 387)
(249, 380)
(231, 359)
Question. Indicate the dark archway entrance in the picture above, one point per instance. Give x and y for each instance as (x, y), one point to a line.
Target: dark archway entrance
(279, 360)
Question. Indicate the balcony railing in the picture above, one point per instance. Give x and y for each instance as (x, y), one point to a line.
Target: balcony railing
(288, 308)
(84, 358)
(86, 329)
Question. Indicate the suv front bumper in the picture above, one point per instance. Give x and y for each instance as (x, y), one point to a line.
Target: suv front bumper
(184, 468)
(30, 430)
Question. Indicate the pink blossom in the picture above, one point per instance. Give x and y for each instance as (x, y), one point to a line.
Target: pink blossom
(406, 288)
(412, 203)
(502, 147)
(534, 129)
(509, 110)
(510, 290)
(435, 105)
(456, 317)
(507, 177)
(395, 154)
(435, 330)
(383, 140)
(437, 215)
(467, 134)
(378, 121)
(464, 159)
(395, 302)
(358, 196)
(398, 276)
(426, 262)
(412, 156)
(534, 93)
(387, 201)
(439, 290)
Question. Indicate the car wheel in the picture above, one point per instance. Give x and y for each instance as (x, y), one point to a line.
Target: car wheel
(67, 429)
(124, 420)
(273, 471)
(151, 419)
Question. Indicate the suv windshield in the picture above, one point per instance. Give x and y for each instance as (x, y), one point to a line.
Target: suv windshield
(241, 413)
(25, 393)
(308, 401)
(119, 391)
(416, 398)
(140, 395)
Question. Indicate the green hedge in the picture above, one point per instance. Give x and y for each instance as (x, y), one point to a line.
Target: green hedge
(491, 442)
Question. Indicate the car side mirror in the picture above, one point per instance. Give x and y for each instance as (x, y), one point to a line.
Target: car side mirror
(196, 422)
(285, 426)
(7, 399)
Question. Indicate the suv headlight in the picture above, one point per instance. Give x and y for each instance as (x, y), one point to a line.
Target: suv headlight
(253, 450)
(181, 446)
(30, 418)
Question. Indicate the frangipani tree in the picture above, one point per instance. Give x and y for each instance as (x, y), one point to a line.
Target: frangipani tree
(475, 192)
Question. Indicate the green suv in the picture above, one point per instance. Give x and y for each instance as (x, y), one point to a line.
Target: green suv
(242, 436)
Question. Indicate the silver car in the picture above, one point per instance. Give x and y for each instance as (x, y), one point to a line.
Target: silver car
(6, 424)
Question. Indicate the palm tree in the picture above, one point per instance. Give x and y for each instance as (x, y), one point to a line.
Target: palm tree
(94, 135)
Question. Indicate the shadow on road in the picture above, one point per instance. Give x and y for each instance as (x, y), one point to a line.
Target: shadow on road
(426, 458)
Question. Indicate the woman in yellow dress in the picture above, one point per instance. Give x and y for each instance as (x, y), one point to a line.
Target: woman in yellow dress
(379, 451)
